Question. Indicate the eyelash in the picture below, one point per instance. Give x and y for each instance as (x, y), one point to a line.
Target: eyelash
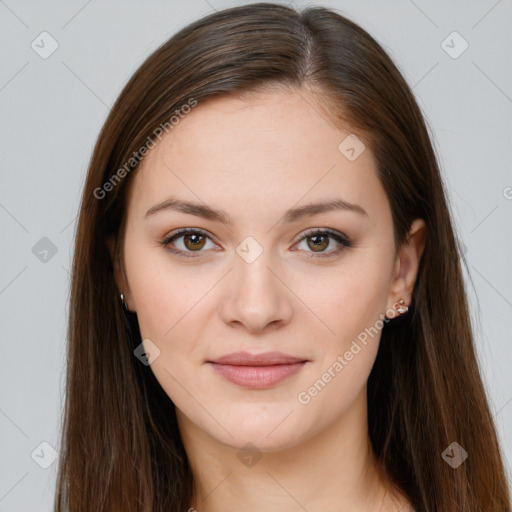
(341, 239)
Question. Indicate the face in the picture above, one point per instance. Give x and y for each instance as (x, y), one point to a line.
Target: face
(263, 275)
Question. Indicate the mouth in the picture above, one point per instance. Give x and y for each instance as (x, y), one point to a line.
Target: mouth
(260, 371)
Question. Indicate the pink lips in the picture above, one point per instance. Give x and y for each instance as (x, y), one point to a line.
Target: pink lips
(259, 371)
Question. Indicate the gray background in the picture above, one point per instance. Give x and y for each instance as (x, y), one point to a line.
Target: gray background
(52, 110)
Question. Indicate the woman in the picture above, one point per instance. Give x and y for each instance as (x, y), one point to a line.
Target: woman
(267, 305)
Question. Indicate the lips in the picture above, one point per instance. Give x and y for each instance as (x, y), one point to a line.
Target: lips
(257, 371)
(265, 359)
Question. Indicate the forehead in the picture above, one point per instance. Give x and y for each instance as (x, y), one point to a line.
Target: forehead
(254, 152)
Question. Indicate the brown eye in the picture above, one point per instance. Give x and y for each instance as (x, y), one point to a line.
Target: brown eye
(319, 242)
(194, 241)
(188, 241)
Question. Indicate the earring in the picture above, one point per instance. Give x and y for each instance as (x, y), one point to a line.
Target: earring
(401, 307)
(124, 303)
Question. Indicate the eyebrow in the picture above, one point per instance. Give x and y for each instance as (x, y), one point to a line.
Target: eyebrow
(292, 215)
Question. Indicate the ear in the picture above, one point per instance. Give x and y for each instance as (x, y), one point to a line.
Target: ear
(121, 283)
(407, 264)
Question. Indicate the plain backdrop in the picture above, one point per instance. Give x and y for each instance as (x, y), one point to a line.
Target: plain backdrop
(53, 106)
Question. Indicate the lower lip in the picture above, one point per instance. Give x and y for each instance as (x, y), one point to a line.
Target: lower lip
(257, 377)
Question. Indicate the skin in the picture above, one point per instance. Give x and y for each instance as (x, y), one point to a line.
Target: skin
(256, 158)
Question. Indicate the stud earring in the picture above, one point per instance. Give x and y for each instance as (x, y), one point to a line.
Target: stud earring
(401, 307)
(124, 303)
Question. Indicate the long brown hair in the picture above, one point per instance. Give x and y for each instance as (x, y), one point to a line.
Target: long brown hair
(120, 449)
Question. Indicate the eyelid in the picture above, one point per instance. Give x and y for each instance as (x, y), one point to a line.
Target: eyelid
(322, 231)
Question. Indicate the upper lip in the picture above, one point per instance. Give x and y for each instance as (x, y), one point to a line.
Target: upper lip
(264, 359)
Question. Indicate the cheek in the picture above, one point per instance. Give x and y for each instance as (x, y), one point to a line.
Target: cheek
(348, 300)
(352, 310)
(170, 303)
(163, 296)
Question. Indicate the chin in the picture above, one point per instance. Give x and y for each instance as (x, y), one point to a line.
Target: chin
(267, 432)
(259, 442)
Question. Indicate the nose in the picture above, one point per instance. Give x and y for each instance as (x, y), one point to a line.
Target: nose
(257, 297)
